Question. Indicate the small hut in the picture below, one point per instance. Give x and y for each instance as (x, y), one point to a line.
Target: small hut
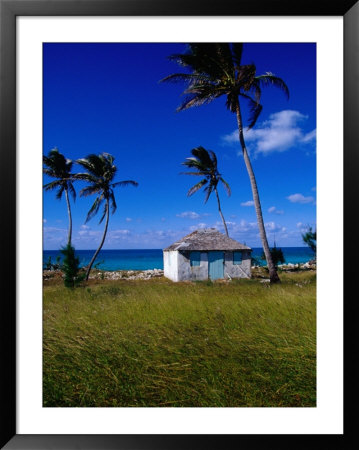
(204, 254)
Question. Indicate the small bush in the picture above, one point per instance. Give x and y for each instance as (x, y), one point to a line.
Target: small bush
(49, 265)
(277, 256)
(71, 267)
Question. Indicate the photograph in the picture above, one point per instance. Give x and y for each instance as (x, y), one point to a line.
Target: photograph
(179, 198)
(166, 168)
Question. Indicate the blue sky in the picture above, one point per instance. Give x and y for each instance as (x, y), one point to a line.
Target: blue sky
(107, 98)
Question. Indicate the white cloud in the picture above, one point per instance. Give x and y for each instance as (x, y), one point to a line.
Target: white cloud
(128, 219)
(89, 233)
(248, 203)
(44, 220)
(55, 236)
(87, 237)
(273, 227)
(300, 198)
(54, 230)
(188, 215)
(280, 133)
(114, 233)
(274, 210)
(147, 239)
(303, 228)
(248, 232)
(309, 137)
(200, 225)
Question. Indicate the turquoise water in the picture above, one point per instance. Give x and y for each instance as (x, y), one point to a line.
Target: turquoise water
(153, 259)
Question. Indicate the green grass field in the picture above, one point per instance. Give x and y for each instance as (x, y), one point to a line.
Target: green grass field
(159, 343)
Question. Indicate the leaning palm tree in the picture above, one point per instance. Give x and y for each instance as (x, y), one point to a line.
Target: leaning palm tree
(204, 162)
(58, 167)
(215, 70)
(100, 174)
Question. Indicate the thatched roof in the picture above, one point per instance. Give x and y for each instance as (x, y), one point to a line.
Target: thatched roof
(206, 239)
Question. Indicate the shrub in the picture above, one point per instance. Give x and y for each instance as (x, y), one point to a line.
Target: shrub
(71, 268)
(49, 265)
(277, 256)
(310, 238)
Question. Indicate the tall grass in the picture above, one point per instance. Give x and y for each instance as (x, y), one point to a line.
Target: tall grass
(158, 343)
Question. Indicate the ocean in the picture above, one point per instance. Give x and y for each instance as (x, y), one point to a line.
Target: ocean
(153, 259)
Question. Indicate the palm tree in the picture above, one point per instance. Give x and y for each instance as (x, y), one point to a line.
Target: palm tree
(58, 167)
(215, 70)
(100, 174)
(205, 164)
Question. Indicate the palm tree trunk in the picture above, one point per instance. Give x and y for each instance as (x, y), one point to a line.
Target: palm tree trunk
(102, 241)
(273, 275)
(70, 217)
(220, 212)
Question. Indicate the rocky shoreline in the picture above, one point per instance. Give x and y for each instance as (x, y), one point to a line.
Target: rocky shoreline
(112, 275)
(155, 273)
(310, 265)
(127, 274)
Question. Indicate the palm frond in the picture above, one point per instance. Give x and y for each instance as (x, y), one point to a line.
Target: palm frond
(186, 77)
(198, 174)
(200, 94)
(53, 185)
(208, 190)
(125, 183)
(194, 163)
(256, 90)
(192, 160)
(84, 162)
(196, 187)
(195, 100)
(89, 190)
(48, 161)
(113, 202)
(269, 79)
(213, 157)
(93, 163)
(224, 59)
(202, 156)
(50, 172)
(84, 176)
(231, 101)
(57, 165)
(226, 186)
(200, 58)
(72, 190)
(245, 76)
(60, 192)
(107, 158)
(254, 110)
(104, 212)
(94, 208)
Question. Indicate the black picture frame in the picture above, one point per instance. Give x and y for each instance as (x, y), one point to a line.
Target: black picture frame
(9, 10)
